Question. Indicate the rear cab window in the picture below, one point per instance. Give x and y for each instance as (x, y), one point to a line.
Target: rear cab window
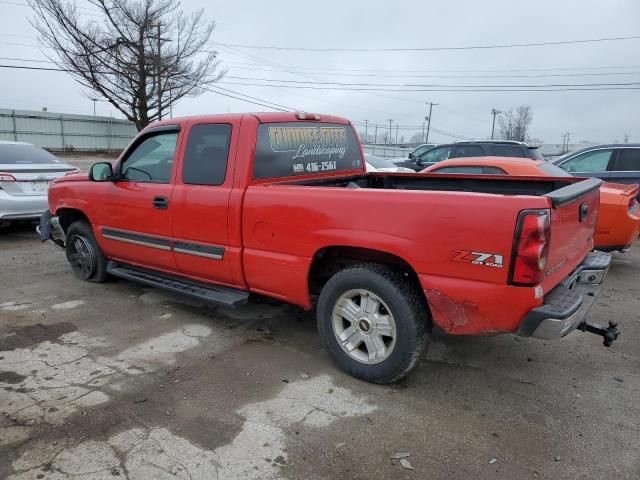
(304, 148)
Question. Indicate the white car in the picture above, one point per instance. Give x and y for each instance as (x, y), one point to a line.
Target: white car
(25, 173)
(379, 164)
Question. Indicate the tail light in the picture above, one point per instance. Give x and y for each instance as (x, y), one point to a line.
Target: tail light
(531, 247)
(6, 178)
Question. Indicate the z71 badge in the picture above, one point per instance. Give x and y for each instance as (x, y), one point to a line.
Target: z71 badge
(478, 258)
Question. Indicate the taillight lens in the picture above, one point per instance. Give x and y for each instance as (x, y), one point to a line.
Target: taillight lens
(531, 247)
(6, 178)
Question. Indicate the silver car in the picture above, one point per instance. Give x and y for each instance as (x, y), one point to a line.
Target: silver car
(25, 173)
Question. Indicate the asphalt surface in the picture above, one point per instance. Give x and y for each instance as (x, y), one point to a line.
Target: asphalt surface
(104, 381)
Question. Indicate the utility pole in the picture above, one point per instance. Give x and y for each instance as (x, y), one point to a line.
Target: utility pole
(423, 132)
(390, 130)
(396, 134)
(375, 135)
(366, 130)
(428, 119)
(494, 112)
(565, 142)
(159, 75)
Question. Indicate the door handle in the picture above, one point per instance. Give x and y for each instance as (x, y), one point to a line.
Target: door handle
(161, 203)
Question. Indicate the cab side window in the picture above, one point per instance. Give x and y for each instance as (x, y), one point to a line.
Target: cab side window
(206, 154)
(595, 161)
(152, 160)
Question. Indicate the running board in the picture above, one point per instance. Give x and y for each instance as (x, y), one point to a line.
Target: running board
(222, 296)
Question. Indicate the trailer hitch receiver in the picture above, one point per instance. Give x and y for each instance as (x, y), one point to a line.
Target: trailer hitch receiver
(610, 334)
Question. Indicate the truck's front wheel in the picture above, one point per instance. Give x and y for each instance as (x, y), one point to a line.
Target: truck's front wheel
(83, 253)
(373, 322)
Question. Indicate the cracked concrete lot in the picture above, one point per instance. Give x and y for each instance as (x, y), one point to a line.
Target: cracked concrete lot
(119, 381)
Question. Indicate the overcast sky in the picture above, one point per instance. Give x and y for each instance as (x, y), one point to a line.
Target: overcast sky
(602, 116)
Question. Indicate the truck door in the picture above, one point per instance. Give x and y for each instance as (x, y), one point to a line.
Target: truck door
(134, 215)
(200, 215)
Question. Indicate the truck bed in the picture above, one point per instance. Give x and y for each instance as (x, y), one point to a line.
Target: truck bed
(496, 184)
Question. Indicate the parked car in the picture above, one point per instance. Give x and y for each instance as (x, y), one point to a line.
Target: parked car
(619, 163)
(480, 148)
(279, 204)
(379, 164)
(619, 216)
(25, 173)
(408, 162)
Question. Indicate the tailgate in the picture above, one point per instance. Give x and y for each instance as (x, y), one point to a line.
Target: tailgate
(574, 213)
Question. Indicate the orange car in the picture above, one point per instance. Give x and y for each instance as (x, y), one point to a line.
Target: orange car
(619, 219)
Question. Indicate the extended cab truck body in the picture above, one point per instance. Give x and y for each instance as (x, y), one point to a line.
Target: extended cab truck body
(221, 206)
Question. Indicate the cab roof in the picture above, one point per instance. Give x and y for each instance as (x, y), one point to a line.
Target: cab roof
(263, 117)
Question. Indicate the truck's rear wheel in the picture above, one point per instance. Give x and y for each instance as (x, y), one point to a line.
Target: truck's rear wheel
(83, 253)
(373, 322)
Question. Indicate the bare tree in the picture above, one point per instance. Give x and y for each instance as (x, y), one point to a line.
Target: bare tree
(416, 138)
(141, 56)
(515, 125)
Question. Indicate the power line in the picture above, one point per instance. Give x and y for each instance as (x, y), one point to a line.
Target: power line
(382, 75)
(427, 88)
(19, 4)
(259, 99)
(599, 67)
(243, 99)
(409, 85)
(453, 88)
(430, 49)
(284, 109)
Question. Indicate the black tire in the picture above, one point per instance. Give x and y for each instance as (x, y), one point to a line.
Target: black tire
(83, 253)
(402, 298)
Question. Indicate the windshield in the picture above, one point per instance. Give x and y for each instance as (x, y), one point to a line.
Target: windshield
(379, 162)
(25, 154)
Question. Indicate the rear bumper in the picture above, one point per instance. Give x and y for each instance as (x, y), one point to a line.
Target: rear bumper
(22, 207)
(566, 306)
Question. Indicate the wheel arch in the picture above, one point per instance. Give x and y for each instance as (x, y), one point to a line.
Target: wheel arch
(329, 260)
(67, 216)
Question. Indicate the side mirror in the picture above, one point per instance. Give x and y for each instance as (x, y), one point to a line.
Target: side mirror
(101, 172)
(410, 155)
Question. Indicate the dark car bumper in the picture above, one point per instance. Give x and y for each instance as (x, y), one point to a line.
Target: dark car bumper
(565, 308)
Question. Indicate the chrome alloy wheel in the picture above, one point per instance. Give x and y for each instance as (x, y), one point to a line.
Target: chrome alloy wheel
(364, 326)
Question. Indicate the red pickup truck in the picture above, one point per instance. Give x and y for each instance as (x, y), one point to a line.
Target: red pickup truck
(279, 204)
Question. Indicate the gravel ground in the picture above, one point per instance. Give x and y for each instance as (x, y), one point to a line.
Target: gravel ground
(117, 380)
